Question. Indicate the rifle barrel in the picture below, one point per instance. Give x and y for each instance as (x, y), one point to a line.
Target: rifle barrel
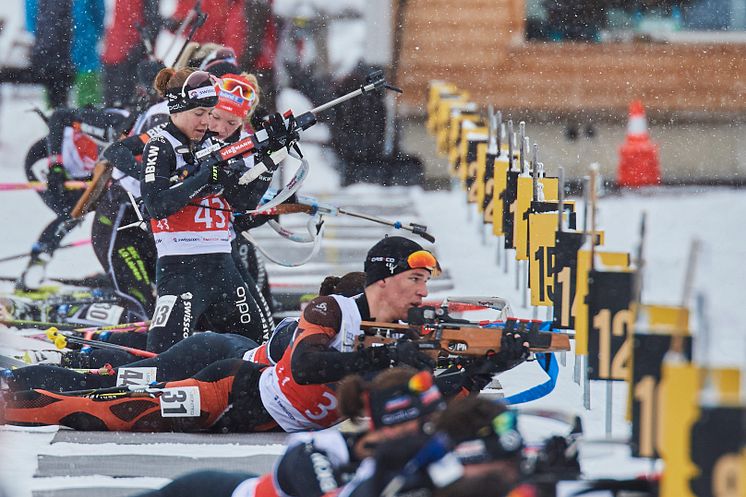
(355, 93)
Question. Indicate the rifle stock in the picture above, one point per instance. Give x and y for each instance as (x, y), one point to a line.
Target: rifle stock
(88, 200)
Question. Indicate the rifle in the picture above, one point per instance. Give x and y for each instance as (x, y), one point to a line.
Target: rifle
(87, 202)
(259, 143)
(313, 206)
(440, 335)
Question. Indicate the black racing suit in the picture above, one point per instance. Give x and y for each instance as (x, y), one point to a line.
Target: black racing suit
(101, 125)
(186, 358)
(125, 253)
(196, 273)
(244, 198)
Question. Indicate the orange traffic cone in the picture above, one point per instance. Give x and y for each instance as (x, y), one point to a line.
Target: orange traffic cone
(638, 156)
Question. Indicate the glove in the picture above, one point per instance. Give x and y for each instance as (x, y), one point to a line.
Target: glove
(376, 357)
(479, 374)
(513, 351)
(212, 174)
(56, 180)
(407, 352)
(279, 135)
(554, 458)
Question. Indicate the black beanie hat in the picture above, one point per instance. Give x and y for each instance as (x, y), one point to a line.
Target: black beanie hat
(388, 257)
(414, 399)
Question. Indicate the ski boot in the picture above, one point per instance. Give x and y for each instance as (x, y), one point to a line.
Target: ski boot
(32, 277)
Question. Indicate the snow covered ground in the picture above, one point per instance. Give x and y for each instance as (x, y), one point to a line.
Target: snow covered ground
(675, 216)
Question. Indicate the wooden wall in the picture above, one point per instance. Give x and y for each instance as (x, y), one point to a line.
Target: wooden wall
(478, 44)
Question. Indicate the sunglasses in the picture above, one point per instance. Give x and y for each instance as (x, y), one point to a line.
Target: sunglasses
(422, 259)
(197, 78)
(239, 88)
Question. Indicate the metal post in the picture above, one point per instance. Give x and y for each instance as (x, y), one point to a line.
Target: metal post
(497, 251)
(576, 370)
(505, 258)
(563, 354)
(586, 382)
(480, 225)
(524, 287)
(609, 402)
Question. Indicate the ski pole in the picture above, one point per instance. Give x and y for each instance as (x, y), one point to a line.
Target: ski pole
(416, 229)
(137, 327)
(61, 339)
(37, 325)
(199, 20)
(40, 186)
(78, 243)
(105, 370)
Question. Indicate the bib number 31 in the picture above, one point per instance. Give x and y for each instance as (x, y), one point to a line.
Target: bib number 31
(180, 402)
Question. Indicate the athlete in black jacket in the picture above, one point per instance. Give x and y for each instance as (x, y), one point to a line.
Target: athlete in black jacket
(191, 224)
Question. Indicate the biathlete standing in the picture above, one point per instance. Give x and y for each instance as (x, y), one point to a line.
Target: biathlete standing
(191, 223)
(71, 150)
(230, 121)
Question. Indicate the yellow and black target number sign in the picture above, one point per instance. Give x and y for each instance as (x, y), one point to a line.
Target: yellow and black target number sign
(485, 193)
(499, 185)
(542, 229)
(566, 246)
(610, 324)
(718, 439)
(542, 232)
(509, 201)
(647, 391)
(475, 175)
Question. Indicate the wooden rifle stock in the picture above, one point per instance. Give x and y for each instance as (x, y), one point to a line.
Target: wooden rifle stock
(88, 200)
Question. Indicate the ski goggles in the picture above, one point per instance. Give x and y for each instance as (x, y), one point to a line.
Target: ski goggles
(237, 96)
(421, 259)
(198, 90)
(499, 440)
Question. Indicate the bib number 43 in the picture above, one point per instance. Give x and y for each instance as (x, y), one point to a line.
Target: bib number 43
(211, 213)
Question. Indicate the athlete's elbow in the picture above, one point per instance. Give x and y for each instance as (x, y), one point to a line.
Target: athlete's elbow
(157, 210)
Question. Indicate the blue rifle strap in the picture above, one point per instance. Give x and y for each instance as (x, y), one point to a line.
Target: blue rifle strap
(548, 363)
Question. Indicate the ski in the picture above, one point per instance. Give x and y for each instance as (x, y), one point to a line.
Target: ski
(78, 243)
